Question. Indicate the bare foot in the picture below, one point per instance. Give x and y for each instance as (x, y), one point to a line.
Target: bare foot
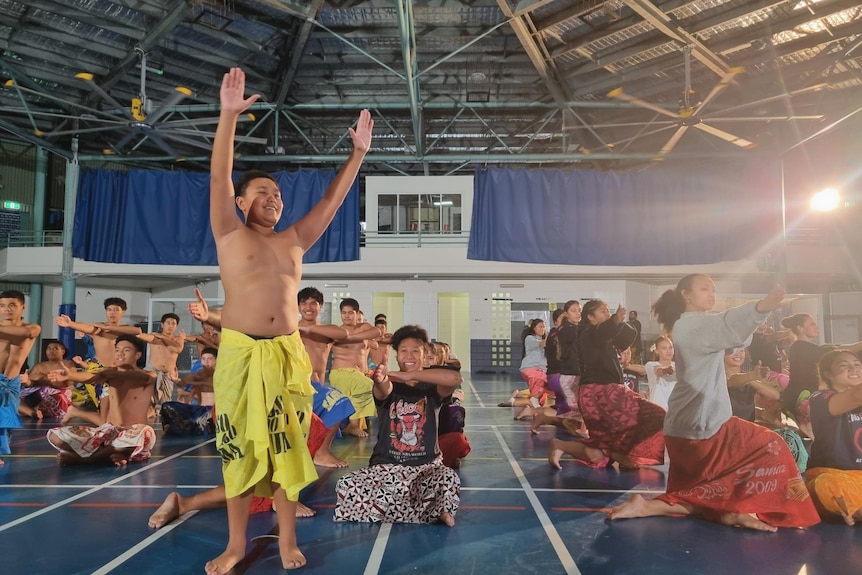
(845, 513)
(538, 421)
(119, 459)
(636, 506)
(303, 511)
(222, 564)
(525, 413)
(354, 429)
(167, 512)
(447, 519)
(554, 454)
(746, 520)
(624, 460)
(291, 556)
(328, 459)
(70, 413)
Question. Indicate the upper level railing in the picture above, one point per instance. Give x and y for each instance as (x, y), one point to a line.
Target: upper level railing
(55, 238)
(42, 239)
(413, 238)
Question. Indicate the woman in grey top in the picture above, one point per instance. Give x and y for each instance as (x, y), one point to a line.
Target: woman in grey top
(722, 468)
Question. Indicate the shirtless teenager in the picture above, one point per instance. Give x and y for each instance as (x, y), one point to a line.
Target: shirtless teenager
(260, 270)
(175, 504)
(209, 337)
(347, 373)
(165, 348)
(125, 436)
(104, 333)
(16, 340)
(332, 406)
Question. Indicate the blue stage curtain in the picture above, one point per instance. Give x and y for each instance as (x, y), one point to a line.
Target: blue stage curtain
(695, 214)
(158, 217)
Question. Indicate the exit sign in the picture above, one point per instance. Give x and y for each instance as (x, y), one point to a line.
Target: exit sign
(11, 205)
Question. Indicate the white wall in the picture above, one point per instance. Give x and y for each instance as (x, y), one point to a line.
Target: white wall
(845, 317)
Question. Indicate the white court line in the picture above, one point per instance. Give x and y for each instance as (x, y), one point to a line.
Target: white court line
(475, 393)
(89, 486)
(556, 541)
(50, 508)
(557, 490)
(376, 557)
(134, 550)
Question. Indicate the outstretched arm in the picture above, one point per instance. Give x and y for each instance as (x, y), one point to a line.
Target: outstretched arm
(445, 379)
(174, 343)
(64, 374)
(119, 329)
(65, 321)
(204, 339)
(223, 216)
(845, 401)
(363, 332)
(315, 222)
(333, 332)
(636, 368)
(20, 333)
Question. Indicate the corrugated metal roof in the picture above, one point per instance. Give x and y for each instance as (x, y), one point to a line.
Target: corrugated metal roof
(483, 80)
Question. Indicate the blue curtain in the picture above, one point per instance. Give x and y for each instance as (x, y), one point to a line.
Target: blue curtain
(155, 217)
(664, 216)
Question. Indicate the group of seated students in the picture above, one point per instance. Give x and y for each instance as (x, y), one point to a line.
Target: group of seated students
(807, 396)
(418, 409)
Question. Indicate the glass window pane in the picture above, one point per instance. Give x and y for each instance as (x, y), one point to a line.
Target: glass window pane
(410, 204)
(387, 213)
(450, 214)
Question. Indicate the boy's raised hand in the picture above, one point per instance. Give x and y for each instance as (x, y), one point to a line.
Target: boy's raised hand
(233, 91)
(199, 309)
(361, 136)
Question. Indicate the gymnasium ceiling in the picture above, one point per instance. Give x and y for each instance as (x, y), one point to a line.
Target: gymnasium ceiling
(452, 84)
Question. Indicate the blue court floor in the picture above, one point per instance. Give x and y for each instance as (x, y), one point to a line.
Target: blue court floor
(518, 515)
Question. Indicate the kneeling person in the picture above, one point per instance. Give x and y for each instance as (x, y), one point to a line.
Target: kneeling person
(125, 436)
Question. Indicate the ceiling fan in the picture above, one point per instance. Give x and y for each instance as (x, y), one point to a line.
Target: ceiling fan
(690, 116)
(145, 119)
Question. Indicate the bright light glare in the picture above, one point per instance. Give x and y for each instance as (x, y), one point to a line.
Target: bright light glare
(825, 200)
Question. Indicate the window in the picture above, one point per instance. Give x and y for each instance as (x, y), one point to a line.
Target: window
(427, 213)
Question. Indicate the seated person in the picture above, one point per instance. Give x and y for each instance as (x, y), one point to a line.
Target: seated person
(405, 481)
(834, 477)
(208, 340)
(41, 398)
(453, 443)
(179, 418)
(450, 429)
(125, 435)
(744, 386)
